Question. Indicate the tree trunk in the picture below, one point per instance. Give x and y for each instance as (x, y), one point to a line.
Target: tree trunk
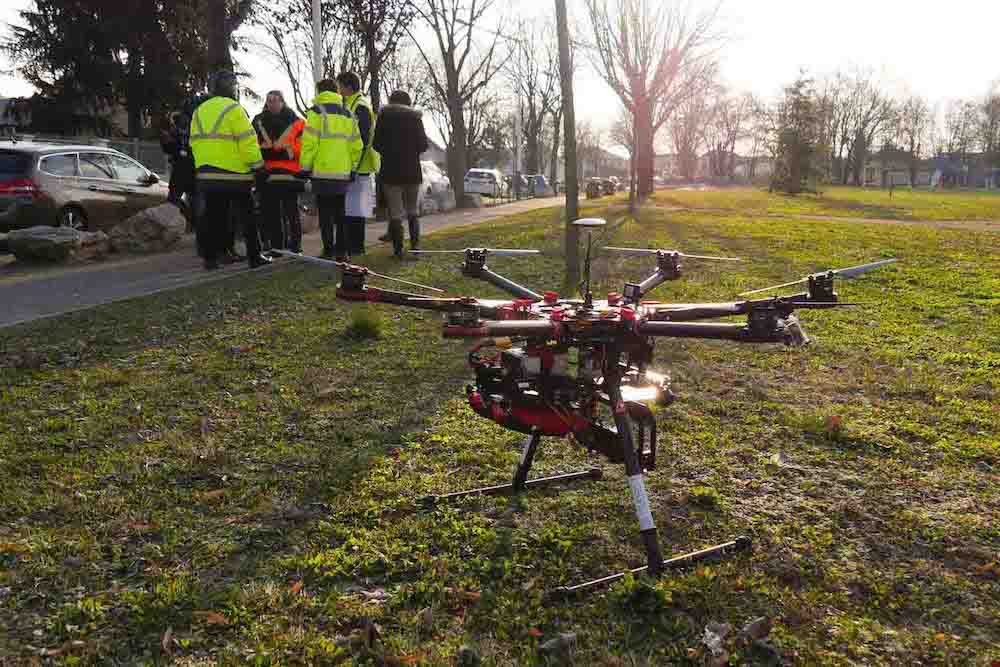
(569, 131)
(218, 38)
(554, 161)
(457, 157)
(374, 74)
(643, 119)
(860, 155)
(531, 149)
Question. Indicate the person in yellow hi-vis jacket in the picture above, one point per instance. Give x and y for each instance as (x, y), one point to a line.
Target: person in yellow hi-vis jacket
(331, 149)
(227, 164)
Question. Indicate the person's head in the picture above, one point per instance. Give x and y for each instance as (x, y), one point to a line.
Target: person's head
(400, 97)
(224, 84)
(349, 83)
(275, 101)
(326, 86)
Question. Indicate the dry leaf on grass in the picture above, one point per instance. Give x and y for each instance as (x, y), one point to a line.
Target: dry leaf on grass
(168, 641)
(211, 617)
(296, 587)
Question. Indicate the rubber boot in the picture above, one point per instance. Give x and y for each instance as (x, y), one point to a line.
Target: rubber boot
(396, 233)
(414, 233)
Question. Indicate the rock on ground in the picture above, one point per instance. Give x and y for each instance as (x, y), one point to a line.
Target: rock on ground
(56, 244)
(154, 230)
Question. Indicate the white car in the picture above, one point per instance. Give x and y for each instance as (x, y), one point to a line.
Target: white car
(486, 182)
(435, 191)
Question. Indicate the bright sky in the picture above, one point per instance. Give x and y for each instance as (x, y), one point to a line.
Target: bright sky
(939, 50)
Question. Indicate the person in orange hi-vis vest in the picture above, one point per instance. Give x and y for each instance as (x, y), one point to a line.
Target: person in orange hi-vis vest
(279, 132)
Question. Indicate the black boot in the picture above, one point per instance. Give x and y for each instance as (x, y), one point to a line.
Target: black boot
(396, 234)
(414, 233)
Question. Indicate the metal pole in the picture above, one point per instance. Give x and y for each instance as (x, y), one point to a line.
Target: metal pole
(569, 128)
(317, 42)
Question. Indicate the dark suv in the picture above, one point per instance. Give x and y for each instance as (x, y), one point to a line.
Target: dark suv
(84, 187)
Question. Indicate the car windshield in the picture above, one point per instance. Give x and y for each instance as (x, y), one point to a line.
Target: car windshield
(14, 164)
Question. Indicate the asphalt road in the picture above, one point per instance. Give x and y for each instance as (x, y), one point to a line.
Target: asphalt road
(32, 293)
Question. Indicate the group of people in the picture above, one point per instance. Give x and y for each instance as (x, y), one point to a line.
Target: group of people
(243, 174)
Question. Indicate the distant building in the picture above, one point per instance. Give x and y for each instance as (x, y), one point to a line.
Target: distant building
(894, 167)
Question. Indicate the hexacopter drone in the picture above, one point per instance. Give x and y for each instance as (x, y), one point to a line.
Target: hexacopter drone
(579, 367)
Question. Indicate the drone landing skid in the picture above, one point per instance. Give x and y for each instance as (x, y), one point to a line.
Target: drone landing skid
(520, 482)
(677, 562)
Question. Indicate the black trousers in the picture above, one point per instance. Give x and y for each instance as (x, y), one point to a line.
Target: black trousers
(225, 213)
(282, 225)
(355, 236)
(332, 224)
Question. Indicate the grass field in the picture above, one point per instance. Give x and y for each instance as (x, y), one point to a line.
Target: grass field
(837, 201)
(224, 475)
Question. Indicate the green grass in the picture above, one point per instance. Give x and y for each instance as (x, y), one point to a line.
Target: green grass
(225, 475)
(847, 202)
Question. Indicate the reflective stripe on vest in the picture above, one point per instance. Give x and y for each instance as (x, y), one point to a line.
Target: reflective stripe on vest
(200, 134)
(331, 176)
(326, 133)
(220, 176)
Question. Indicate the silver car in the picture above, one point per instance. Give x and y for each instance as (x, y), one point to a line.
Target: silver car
(83, 187)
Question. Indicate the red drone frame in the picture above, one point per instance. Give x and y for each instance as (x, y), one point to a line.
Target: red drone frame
(532, 384)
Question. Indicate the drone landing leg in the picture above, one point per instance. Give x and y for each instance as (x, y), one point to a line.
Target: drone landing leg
(647, 528)
(520, 481)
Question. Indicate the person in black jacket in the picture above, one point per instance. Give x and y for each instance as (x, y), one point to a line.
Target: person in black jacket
(400, 138)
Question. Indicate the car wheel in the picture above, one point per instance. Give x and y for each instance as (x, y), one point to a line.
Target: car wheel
(73, 217)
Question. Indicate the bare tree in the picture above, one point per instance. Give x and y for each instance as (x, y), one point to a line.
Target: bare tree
(912, 126)
(960, 121)
(989, 124)
(865, 111)
(404, 69)
(758, 132)
(288, 28)
(533, 72)
(458, 69)
(653, 55)
(687, 132)
(727, 124)
(377, 25)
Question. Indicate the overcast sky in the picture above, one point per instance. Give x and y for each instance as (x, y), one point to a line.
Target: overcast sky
(942, 50)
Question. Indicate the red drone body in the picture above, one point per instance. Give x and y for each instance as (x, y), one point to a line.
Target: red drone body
(557, 367)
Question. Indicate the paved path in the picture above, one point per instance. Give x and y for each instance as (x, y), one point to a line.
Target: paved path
(30, 294)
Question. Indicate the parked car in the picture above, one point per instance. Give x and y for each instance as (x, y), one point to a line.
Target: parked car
(595, 188)
(83, 187)
(486, 182)
(608, 186)
(436, 182)
(539, 186)
(434, 192)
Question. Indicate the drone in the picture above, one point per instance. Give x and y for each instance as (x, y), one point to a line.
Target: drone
(554, 367)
